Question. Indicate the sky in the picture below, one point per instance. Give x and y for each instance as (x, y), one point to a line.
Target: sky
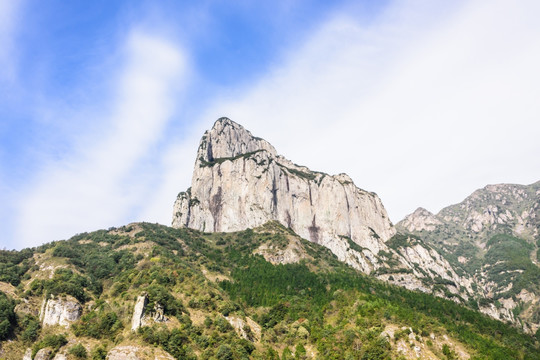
(103, 103)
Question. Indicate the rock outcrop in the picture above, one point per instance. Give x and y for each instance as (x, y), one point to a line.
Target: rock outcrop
(124, 353)
(419, 220)
(43, 354)
(138, 312)
(28, 354)
(247, 329)
(142, 317)
(507, 208)
(240, 182)
(60, 311)
(159, 314)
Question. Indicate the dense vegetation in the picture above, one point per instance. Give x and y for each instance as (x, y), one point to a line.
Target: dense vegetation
(7, 316)
(14, 264)
(506, 255)
(317, 306)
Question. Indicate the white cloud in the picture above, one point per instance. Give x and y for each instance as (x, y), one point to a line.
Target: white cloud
(101, 184)
(423, 106)
(9, 10)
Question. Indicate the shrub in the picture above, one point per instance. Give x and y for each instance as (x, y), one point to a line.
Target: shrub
(98, 325)
(30, 328)
(7, 316)
(224, 352)
(450, 354)
(99, 353)
(53, 341)
(78, 351)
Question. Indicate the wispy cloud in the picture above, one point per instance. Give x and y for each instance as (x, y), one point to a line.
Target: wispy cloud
(422, 106)
(99, 184)
(8, 27)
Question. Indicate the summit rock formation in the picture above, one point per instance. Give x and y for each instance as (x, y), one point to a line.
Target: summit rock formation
(241, 182)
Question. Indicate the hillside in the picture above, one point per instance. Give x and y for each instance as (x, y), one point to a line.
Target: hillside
(256, 294)
(492, 237)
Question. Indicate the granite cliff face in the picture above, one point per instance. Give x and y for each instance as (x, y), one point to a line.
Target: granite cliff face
(240, 182)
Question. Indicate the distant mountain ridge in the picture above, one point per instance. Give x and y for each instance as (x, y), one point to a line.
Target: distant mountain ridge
(493, 238)
(510, 208)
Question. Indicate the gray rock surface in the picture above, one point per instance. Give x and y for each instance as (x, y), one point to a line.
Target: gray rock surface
(239, 182)
(420, 220)
(43, 354)
(247, 329)
(138, 311)
(60, 311)
(27, 354)
(495, 208)
(124, 353)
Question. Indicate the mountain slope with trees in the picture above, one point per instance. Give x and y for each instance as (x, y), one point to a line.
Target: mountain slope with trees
(493, 237)
(229, 296)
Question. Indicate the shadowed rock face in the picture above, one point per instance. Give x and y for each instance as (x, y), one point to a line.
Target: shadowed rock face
(240, 182)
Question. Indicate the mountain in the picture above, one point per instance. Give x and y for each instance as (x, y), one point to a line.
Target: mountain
(267, 259)
(240, 182)
(147, 291)
(492, 237)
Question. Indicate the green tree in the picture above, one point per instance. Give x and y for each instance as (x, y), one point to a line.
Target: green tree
(286, 354)
(30, 328)
(300, 352)
(99, 353)
(78, 351)
(7, 316)
(224, 352)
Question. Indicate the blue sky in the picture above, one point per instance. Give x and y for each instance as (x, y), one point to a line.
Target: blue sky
(102, 103)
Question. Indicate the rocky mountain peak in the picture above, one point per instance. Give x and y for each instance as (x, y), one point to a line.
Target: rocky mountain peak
(239, 182)
(422, 212)
(497, 208)
(228, 139)
(420, 219)
(493, 236)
